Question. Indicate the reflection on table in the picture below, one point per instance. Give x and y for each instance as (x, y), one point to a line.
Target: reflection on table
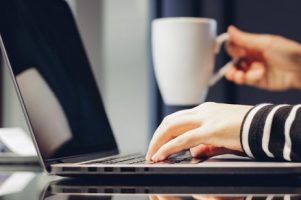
(39, 186)
(73, 190)
(169, 197)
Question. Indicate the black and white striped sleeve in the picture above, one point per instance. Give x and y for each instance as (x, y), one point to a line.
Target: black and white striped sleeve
(272, 132)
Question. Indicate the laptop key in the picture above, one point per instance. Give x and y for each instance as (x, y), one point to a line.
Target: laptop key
(117, 160)
(107, 160)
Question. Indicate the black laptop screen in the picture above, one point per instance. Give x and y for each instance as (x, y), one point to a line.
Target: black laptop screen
(55, 80)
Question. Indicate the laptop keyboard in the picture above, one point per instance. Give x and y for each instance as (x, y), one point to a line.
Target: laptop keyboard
(128, 159)
(183, 157)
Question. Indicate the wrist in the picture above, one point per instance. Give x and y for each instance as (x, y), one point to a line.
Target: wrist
(296, 59)
(296, 84)
(239, 116)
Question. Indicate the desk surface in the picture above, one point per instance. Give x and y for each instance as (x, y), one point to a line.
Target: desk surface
(31, 183)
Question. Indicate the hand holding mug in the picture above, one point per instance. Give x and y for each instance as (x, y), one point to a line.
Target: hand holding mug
(272, 62)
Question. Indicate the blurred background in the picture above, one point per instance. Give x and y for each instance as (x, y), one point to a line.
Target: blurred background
(116, 36)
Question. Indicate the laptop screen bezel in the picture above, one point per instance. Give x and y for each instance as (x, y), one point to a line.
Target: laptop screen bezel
(46, 163)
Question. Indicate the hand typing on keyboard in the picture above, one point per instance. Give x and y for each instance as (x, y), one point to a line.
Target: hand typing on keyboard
(207, 130)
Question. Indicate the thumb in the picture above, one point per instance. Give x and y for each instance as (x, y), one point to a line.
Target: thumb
(255, 74)
(210, 150)
(246, 40)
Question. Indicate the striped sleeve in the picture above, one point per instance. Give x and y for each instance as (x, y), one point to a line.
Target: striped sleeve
(272, 132)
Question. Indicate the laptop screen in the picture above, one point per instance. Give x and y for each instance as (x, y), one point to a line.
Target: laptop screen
(63, 105)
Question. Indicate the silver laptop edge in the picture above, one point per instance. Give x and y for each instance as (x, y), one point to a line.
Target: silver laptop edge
(5, 61)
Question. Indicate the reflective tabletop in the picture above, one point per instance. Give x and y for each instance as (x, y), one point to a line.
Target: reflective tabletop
(32, 183)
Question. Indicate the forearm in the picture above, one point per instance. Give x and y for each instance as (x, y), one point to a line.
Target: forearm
(272, 132)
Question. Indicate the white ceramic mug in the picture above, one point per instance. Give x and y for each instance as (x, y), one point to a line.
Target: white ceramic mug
(184, 50)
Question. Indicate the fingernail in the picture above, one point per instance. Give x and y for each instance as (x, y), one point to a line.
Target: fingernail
(257, 73)
(155, 158)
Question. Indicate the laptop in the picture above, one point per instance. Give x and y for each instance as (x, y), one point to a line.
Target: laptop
(72, 135)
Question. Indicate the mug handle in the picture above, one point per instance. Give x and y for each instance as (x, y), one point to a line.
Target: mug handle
(220, 40)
